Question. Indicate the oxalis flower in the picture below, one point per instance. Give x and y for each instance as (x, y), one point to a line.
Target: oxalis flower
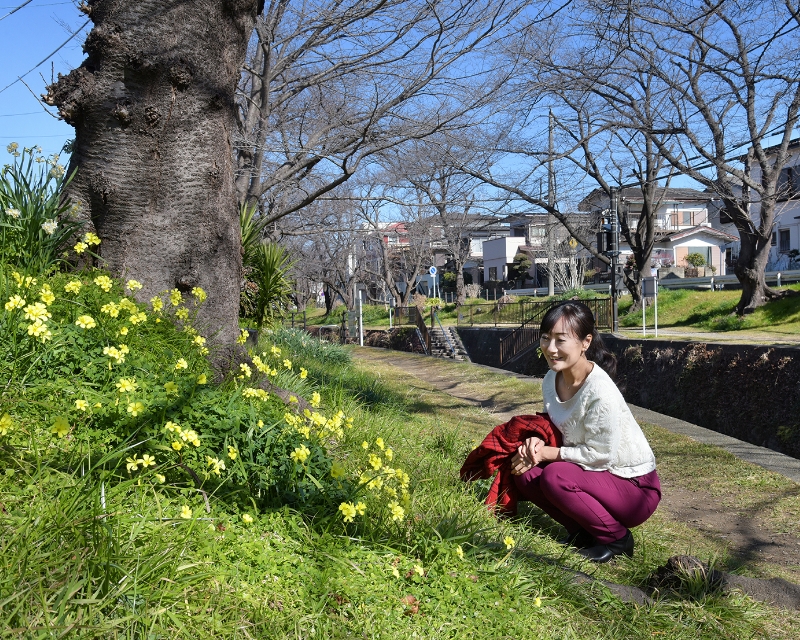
(133, 285)
(300, 454)
(199, 294)
(86, 322)
(60, 427)
(186, 512)
(5, 424)
(73, 287)
(135, 408)
(181, 364)
(126, 385)
(80, 247)
(15, 302)
(81, 405)
(509, 542)
(91, 239)
(348, 510)
(247, 518)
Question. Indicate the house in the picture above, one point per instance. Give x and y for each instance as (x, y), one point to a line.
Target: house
(684, 225)
(786, 227)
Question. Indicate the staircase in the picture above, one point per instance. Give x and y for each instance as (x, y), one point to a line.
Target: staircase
(447, 345)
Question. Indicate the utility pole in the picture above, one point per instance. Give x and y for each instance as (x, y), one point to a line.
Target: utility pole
(614, 251)
(551, 198)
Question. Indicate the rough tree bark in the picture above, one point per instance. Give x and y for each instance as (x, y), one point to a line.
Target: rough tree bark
(153, 110)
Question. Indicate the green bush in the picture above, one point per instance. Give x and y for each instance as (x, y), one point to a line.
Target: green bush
(695, 260)
(34, 220)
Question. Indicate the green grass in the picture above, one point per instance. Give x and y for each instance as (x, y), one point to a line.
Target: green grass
(714, 311)
(88, 553)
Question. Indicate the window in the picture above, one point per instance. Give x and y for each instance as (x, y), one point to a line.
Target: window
(788, 186)
(687, 217)
(774, 238)
(784, 241)
(493, 273)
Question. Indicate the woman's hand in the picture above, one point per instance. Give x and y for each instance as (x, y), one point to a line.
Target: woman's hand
(528, 455)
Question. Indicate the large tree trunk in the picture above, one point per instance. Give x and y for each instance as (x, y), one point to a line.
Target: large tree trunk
(750, 269)
(153, 110)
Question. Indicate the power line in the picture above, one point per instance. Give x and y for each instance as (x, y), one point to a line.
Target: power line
(61, 46)
(15, 9)
(27, 113)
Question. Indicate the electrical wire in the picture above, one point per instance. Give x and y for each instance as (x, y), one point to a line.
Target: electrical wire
(15, 9)
(61, 46)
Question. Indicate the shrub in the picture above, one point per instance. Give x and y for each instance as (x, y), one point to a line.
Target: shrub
(695, 259)
(34, 221)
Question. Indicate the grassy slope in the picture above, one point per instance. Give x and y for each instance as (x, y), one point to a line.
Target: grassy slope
(700, 310)
(285, 575)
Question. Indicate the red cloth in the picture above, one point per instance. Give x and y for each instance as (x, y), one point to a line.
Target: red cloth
(496, 451)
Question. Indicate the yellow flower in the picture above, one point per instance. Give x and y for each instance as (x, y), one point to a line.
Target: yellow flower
(110, 309)
(46, 295)
(537, 601)
(361, 508)
(86, 322)
(398, 513)
(219, 465)
(375, 461)
(182, 313)
(157, 304)
(40, 331)
(60, 427)
(260, 424)
(147, 461)
(199, 294)
(91, 239)
(177, 445)
(395, 572)
(287, 363)
(242, 336)
(389, 454)
(337, 470)
(15, 302)
(126, 305)
(247, 518)
(133, 285)
(133, 464)
(114, 354)
(300, 454)
(172, 426)
(292, 399)
(303, 373)
(73, 287)
(199, 341)
(348, 511)
(246, 370)
(315, 399)
(135, 408)
(232, 453)
(123, 331)
(136, 318)
(38, 311)
(81, 405)
(175, 297)
(275, 351)
(171, 388)
(186, 512)
(126, 385)
(80, 247)
(104, 282)
(509, 542)
(160, 478)
(201, 379)
(460, 552)
(379, 443)
(181, 364)
(365, 445)
(5, 424)
(419, 570)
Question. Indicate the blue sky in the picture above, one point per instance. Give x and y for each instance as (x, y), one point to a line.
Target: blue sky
(26, 38)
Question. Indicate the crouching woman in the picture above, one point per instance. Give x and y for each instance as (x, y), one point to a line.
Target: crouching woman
(602, 480)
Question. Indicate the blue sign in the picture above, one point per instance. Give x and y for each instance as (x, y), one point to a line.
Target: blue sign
(432, 271)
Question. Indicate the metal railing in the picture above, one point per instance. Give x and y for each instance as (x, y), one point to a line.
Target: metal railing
(435, 318)
(522, 312)
(423, 333)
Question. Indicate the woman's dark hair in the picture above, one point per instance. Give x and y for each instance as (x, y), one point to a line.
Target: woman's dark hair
(580, 321)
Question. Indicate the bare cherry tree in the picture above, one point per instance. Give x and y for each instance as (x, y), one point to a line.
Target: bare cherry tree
(329, 84)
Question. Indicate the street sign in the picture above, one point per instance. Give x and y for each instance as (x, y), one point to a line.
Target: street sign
(649, 287)
(432, 271)
(573, 243)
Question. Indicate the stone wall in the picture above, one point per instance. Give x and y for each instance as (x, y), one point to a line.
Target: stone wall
(749, 392)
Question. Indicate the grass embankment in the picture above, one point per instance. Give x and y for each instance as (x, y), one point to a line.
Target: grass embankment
(88, 555)
(677, 308)
(714, 311)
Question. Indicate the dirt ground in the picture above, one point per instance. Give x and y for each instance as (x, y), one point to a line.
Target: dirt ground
(748, 540)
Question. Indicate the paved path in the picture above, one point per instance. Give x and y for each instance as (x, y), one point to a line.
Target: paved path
(757, 338)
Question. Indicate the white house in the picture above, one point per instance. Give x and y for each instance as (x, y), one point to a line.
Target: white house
(498, 253)
(786, 227)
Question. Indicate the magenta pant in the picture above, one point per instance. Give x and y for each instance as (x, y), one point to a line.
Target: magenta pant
(599, 502)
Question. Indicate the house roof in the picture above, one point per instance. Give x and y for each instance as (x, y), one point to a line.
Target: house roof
(672, 236)
(634, 194)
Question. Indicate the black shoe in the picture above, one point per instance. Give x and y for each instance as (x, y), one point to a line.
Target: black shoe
(581, 539)
(604, 552)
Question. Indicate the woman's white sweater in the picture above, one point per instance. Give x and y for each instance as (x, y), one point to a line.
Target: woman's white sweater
(600, 432)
